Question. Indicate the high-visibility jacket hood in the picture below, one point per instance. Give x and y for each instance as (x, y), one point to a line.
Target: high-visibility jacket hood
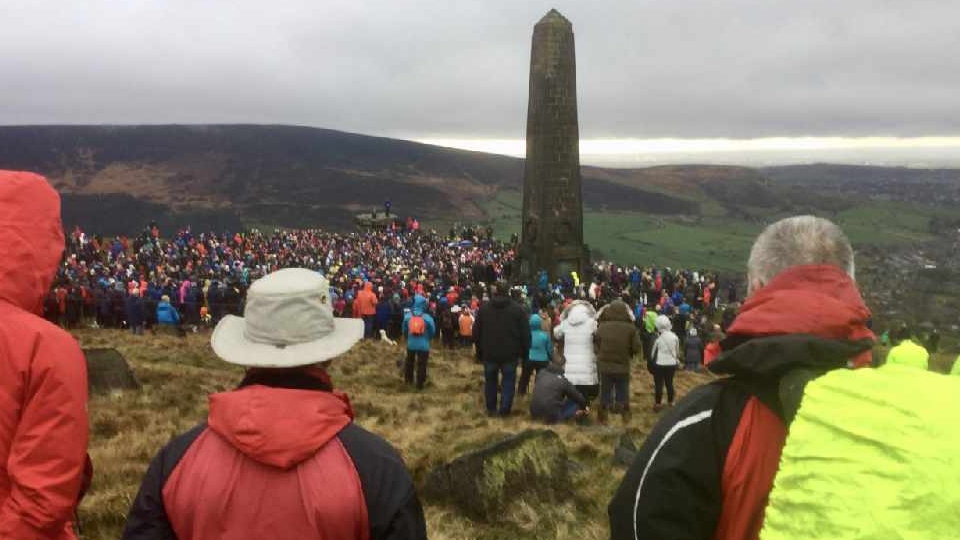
(31, 234)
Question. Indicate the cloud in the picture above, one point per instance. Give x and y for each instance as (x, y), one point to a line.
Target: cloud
(436, 68)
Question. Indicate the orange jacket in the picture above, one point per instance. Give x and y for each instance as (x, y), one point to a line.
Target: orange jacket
(366, 302)
(43, 375)
(711, 352)
(466, 325)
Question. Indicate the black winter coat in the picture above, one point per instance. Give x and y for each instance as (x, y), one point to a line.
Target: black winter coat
(501, 332)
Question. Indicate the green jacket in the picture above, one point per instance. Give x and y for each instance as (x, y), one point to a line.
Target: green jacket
(616, 340)
(650, 321)
(908, 353)
(872, 453)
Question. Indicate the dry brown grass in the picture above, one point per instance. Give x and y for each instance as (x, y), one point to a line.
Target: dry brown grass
(428, 427)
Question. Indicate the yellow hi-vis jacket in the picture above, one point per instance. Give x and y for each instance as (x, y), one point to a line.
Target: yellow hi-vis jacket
(955, 370)
(872, 453)
(908, 353)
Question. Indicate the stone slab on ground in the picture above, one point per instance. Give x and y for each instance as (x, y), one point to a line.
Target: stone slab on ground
(481, 484)
(108, 370)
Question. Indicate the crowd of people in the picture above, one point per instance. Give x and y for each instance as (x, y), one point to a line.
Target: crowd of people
(204, 276)
(280, 456)
(402, 282)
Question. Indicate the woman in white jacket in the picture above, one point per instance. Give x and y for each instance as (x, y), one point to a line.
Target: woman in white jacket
(666, 358)
(577, 325)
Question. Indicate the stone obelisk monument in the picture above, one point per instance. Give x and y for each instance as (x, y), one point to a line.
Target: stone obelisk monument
(552, 236)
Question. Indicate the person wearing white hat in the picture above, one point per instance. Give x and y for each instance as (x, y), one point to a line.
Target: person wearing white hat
(279, 457)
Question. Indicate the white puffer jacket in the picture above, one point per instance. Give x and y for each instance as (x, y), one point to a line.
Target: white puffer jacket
(666, 349)
(576, 328)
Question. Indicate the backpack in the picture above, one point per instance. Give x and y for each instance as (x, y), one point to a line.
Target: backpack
(417, 326)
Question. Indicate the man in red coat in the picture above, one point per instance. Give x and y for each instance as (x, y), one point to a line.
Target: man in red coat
(365, 306)
(43, 375)
(707, 467)
(280, 456)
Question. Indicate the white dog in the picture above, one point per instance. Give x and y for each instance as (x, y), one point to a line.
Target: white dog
(383, 337)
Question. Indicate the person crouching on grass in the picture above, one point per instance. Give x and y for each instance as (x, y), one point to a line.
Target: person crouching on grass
(280, 456)
(555, 399)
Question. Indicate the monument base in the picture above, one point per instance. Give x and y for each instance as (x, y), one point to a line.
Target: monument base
(564, 261)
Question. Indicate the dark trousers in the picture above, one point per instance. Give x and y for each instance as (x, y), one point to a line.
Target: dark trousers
(691, 366)
(529, 368)
(615, 384)
(395, 327)
(368, 326)
(503, 376)
(647, 345)
(449, 337)
(588, 391)
(420, 358)
(568, 410)
(663, 375)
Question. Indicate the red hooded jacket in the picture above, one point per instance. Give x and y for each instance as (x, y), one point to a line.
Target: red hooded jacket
(366, 303)
(43, 376)
(706, 470)
(278, 458)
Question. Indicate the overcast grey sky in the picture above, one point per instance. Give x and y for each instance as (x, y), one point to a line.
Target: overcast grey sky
(450, 68)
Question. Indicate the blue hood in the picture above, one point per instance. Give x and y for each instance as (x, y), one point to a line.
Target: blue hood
(419, 304)
(535, 322)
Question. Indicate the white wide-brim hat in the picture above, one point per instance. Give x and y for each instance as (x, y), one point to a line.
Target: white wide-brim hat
(288, 322)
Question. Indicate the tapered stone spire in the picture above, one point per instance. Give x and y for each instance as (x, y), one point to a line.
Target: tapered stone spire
(552, 236)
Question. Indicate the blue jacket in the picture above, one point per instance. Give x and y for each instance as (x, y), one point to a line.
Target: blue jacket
(541, 347)
(166, 314)
(419, 343)
(383, 314)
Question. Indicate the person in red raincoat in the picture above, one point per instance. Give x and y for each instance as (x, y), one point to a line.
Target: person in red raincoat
(43, 374)
(707, 467)
(280, 456)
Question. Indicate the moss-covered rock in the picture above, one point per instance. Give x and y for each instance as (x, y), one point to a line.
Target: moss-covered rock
(531, 465)
(108, 370)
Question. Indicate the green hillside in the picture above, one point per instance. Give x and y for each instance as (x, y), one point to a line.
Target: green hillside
(720, 242)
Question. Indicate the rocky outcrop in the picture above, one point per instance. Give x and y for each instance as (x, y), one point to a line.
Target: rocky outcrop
(107, 370)
(481, 484)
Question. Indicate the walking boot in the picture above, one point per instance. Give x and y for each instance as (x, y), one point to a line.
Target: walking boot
(602, 415)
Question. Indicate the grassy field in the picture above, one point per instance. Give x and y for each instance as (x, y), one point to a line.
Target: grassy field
(714, 241)
(428, 427)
